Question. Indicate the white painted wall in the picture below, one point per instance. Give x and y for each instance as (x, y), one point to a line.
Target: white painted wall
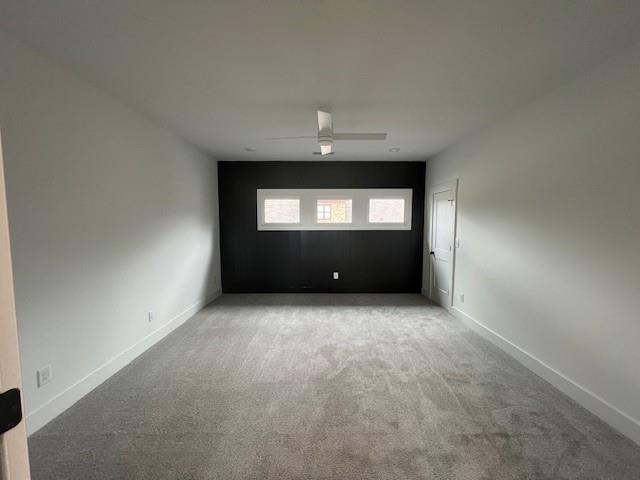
(549, 224)
(111, 216)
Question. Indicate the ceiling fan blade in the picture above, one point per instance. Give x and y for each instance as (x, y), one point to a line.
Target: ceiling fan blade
(326, 149)
(290, 138)
(325, 124)
(359, 136)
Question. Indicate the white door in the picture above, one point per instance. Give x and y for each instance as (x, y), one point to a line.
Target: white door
(14, 459)
(443, 220)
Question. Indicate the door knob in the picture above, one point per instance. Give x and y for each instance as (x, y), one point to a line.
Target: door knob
(10, 410)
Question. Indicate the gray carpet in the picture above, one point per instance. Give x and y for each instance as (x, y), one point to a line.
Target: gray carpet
(328, 387)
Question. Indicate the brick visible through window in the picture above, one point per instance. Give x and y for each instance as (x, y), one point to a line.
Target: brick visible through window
(334, 211)
(281, 210)
(386, 210)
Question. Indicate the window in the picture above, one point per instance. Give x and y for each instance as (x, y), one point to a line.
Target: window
(288, 209)
(282, 210)
(386, 210)
(334, 211)
(324, 212)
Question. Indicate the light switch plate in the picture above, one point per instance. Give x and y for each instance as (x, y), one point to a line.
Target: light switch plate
(44, 376)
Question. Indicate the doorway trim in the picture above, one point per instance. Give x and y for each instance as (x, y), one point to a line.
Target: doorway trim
(14, 458)
(432, 190)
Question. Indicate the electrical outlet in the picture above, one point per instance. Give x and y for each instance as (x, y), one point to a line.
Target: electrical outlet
(461, 297)
(336, 275)
(44, 376)
(150, 317)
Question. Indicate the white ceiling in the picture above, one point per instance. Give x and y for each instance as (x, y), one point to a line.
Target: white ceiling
(226, 74)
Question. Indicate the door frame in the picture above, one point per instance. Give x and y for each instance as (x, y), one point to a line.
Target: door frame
(432, 190)
(14, 457)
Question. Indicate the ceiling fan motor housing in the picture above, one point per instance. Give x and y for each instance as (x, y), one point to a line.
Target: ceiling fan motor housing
(326, 136)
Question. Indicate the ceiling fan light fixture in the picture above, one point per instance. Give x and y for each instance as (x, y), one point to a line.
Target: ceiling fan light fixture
(394, 149)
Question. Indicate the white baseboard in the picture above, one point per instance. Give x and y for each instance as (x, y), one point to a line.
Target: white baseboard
(621, 421)
(42, 415)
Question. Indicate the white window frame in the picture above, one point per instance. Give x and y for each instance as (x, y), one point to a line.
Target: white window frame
(359, 197)
(261, 215)
(329, 197)
(387, 197)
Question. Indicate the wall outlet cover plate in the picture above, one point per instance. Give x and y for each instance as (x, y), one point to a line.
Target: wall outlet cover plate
(44, 376)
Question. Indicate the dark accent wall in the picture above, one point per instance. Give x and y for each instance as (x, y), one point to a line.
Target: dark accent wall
(303, 261)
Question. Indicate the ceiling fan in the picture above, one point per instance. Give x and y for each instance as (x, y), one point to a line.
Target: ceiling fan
(326, 137)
